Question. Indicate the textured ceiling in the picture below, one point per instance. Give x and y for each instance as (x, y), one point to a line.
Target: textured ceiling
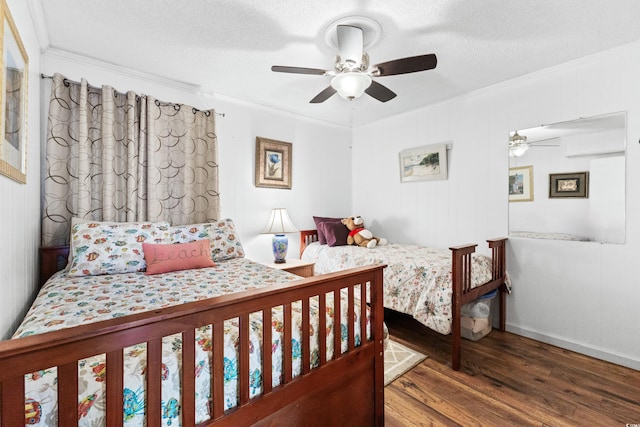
(228, 46)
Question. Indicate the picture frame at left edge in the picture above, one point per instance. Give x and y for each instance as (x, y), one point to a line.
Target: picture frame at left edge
(13, 99)
(273, 163)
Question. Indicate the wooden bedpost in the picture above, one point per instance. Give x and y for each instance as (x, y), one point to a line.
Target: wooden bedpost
(52, 259)
(461, 283)
(499, 269)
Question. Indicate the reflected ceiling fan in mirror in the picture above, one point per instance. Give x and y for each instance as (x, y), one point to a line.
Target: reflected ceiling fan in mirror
(352, 76)
(518, 144)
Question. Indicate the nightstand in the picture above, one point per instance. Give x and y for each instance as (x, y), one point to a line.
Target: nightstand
(295, 266)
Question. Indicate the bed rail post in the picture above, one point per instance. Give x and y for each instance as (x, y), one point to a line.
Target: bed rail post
(499, 272)
(307, 237)
(461, 283)
(52, 259)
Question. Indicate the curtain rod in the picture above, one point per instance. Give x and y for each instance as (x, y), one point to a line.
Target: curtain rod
(195, 110)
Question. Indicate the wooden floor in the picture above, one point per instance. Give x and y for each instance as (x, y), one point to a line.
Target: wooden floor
(506, 379)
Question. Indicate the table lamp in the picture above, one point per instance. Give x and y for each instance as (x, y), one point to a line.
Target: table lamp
(279, 223)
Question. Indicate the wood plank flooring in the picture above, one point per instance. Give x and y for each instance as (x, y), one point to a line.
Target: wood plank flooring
(509, 380)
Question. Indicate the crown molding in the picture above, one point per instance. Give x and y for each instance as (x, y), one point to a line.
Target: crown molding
(39, 23)
(68, 56)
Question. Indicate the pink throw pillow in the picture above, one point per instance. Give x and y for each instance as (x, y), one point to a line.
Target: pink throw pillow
(163, 258)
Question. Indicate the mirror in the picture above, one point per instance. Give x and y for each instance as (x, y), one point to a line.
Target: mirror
(567, 180)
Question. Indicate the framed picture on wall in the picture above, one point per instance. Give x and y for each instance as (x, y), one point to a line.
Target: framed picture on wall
(569, 185)
(521, 184)
(428, 163)
(13, 116)
(273, 163)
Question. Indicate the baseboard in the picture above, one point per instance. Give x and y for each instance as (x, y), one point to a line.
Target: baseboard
(598, 353)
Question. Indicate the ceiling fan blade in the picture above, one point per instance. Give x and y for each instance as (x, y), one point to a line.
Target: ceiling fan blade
(411, 64)
(324, 95)
(380, 92)
(546, 141)
(350, 42)
(297, 70)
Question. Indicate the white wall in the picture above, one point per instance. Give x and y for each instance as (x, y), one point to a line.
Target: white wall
(581, 296)
(20, 203)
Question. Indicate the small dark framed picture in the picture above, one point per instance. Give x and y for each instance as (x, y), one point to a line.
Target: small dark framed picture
(569, 185)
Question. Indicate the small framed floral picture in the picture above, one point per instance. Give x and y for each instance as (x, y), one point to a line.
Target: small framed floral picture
(273, 163)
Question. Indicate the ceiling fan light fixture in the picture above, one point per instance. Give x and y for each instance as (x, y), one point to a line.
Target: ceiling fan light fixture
(351, 85)
(518, 150)
(517, 145)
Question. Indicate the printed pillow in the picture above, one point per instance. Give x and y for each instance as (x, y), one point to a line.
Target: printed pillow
(225, 243)
(77, 220)
(163, 258)
(320, 221)
(111, 248)
(189, 233)
(336, 233)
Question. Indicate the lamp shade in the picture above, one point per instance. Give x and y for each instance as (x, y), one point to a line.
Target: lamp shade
(279, 223)
(351, 85)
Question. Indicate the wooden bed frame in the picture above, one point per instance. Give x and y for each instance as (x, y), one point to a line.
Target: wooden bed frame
(461, 283)
(345, 390)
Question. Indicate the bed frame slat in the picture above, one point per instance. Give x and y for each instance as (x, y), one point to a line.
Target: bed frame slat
(115, 384)
(244, 374)
(267, 343)
(322, 327)
(287, 344)
(68, 394)
(188, 372)
(217, 371)
(363, 312)
(337, 329)
(305, 341)
(351, 319)
(154, 382)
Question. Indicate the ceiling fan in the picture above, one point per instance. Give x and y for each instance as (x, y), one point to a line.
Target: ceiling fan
(518, 144)
(352, 76)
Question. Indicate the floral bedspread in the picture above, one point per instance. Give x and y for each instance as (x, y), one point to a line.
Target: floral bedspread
(68, 301)
(417, 280)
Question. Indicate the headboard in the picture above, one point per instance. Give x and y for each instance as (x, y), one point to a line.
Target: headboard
(52, 259)
(307, 237)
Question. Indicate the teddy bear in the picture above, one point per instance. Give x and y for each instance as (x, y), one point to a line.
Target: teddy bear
(359, 235)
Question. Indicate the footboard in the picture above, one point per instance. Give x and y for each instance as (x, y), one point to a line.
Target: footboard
(464, 292)
(345, 389)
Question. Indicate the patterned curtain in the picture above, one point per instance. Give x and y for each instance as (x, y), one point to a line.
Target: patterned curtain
(125, 157)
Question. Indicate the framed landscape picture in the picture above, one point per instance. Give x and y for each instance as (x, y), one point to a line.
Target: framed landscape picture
(567, 185)
(427, 163)
(521, 184)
